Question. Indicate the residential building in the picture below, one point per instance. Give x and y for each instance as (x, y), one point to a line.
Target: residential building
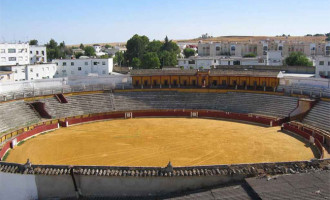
(6, 76)
(322, 67)
(38, 54)
(98, 50)
(112, 51)
(274, 58)
(203, 62)
(74, 51)
(14, 54)
(30, 72)
(83, 67)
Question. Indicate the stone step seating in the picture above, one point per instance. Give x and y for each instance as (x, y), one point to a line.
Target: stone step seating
(270, 105)
(16, 114)
(79, 105)
(319, 116)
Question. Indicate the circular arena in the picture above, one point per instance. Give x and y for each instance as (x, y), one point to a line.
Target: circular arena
(161, 141)
(156, 141)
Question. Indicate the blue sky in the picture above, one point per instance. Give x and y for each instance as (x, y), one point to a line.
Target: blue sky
(96, 21)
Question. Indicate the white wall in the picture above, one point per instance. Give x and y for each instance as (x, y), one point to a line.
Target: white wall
(83, 67)
(18, 186)
(38, 54)
(40, 71)
(322, 66)
(13, 54)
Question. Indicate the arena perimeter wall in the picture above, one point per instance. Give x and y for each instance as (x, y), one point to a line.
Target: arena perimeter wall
(53, 181)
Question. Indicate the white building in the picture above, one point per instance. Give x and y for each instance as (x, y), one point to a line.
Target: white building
(38, 54)
(98, 51)
(83, 67)
(201, 62)
(14, 54)
(274, 58)
(322, 67)
(30, 72)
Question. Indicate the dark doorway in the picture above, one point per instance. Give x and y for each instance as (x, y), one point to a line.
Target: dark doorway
(166, 82)
(194, 82)
(215, 83)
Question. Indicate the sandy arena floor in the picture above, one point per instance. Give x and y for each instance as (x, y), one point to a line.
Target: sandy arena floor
(155, 141)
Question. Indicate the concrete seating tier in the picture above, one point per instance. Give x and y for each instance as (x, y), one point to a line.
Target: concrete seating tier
(16, 114)
(269, 105)
(319, 116)
(79, 105)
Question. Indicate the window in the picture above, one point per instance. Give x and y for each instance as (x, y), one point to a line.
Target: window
(328, 63)
(31, 70)
(265, 48)
(103, 62)
(56, 63)
(280, 48)
(64, 63)
(3, 51)
(321, 63)
(64, 71)
(217, 48)
(12, 58)
(43, 53)
(30, 52)
(37, 74)
(72, 63)
(215, 61)
(37, 52)
(95, 63)
(103, 72)
(11, 50)
(86, 63)
(79, 68)
(232, 48)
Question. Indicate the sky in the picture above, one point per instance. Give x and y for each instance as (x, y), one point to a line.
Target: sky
(101, 21)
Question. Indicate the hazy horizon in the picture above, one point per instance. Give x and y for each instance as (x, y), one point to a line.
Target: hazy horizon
(103, 21)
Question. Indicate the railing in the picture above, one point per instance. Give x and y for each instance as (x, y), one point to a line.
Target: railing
(59, 90)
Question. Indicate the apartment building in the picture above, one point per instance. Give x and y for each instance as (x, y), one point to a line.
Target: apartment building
(322, 67)
(14, 54)
(38, 54)
(30, 71)
(83, 67)
(202, 62)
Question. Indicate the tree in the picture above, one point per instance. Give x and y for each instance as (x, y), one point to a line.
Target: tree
(150, 61)
(188, 52)
(136, 63)
(104, 56)
(82, 46)
(168, 58)
(250, 55)
(89, 51)
(33, 42)
(170, 46)
(136, 47)
(154, 46)
(53, 50)
(298, 59)
(52, 44)
(78, 54)
(107, 46)
(327, 39)
(119, 58)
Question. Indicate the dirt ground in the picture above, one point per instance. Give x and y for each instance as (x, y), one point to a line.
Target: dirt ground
(155, 141)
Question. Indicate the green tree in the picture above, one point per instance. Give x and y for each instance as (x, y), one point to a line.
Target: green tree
(136, 63)
(298, 59)
(107, 46)
(136, 47)
(119, 58)
(78, 54)
(188, 52)
(82, 46)
(89, 51)
(104, 56)
(168, 58)
(154, 46)
(53, 50)
(150, 60)
(170, 46)
(250, 55)
(33, 42)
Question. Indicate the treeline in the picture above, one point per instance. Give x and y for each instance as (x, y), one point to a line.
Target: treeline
(144, 54)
